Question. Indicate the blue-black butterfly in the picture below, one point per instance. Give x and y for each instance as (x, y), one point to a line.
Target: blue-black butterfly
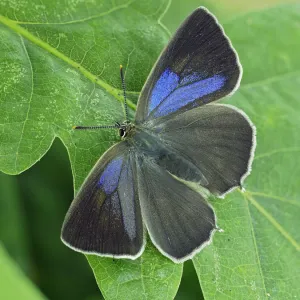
(136, 185)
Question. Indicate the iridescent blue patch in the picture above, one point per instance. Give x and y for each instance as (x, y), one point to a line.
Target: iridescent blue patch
(166, 83)
(110, 176)
(188, 93)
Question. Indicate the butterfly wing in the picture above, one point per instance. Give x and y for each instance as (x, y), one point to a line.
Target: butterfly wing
(198, 66)
(179, 221)
(105, 216)
(211, 144)
(216, 139)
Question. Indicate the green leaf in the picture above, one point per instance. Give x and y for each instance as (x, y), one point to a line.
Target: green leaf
(12, 216)
(13, 283)
(60, 67)
(151, 276)
(257, 255)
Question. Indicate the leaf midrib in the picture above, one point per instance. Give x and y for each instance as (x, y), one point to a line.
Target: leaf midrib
(14, 26)
(29, 36)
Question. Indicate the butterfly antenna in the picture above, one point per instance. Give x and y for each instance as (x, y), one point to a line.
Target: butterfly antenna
(124, 93)
(117, 125)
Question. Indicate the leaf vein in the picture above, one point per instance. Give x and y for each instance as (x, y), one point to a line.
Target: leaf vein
(269, 80)
(34, 39)
(255, 246)
(272, 221)
(29, 104)
(142, 278)
(274, 197)
(103, 14)
(159, 21)
(276, 151)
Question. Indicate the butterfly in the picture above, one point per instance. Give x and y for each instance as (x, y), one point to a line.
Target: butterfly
(138, 185)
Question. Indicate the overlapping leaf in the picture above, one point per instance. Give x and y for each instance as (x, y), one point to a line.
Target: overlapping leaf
(14, 284)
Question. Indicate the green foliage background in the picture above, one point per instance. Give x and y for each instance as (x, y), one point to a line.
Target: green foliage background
(257, 256)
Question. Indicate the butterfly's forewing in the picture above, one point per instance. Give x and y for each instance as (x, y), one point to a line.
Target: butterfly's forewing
(179, 221)
(198, 66)
(219, 141)
(105, 217)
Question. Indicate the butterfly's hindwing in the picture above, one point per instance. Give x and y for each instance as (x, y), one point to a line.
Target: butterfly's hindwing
(217, 139)
(179, 221)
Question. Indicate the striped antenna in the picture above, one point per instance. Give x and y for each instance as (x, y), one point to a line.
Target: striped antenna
(124, 93)
(117, 125)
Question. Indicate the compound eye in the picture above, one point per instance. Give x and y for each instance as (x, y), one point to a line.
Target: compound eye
(122, 132)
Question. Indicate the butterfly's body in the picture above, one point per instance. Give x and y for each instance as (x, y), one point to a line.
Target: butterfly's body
(149, 145)
(177, 134)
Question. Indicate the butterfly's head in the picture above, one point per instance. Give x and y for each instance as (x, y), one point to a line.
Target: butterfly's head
(126, 129)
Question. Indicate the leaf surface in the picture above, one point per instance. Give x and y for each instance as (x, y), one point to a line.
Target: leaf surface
(14, 284)
(257, 255)
(60, 67)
